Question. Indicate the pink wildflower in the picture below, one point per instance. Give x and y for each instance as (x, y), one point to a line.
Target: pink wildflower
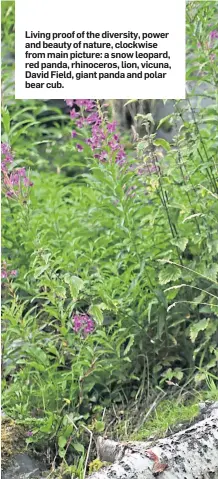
(112, 127)
(73, 113)
(12, 179)
(69, 102)
(5, 149)
(80, 122)
(13, 272)
(83, 323)
(79, 147)
(213, 34)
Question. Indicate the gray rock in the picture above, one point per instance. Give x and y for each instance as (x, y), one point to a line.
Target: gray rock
(25, 467)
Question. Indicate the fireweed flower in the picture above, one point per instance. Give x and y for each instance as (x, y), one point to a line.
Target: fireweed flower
(10, 194)
(213, 34)
(112, 126)
(69, 102)
(103, 139)
(5, 149)
(73, 113)
(3, 166)
(13, 272)
(14, 180)
(213, 37)
(5, 272)
(212, 57)
(8, 157)
(103, 156)
(87, 104)
(83, 324)
(79, 147)
(93, 118)
(80, 123)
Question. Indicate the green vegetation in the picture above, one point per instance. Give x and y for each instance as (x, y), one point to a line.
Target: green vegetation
(169, 414)
(109, 269)
(166, 415)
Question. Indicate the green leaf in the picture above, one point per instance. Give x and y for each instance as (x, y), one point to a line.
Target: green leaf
(164, 120)
(195, 215)
(78, 447)
(96, 312)
(130, 101)
(99, 426)
(197, 327)
(180, 242)
(47, 426)
(213, 272)
(6, 120)
(169, 273)
(161, 320)
(61, 453)
(142, 145)
(214, 308)
(62, 441)
(163, 143)
(129, 345)
(40, 270)
(75, 283)
(38, 354)
(150, 304)
(178, 374)
(37, 366)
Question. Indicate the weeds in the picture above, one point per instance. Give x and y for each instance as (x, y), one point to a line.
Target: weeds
(109, 277)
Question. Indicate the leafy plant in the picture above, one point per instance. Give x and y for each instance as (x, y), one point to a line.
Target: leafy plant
(109, 277)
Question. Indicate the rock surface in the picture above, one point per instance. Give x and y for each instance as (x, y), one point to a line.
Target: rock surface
(24, 467)
(189, 454)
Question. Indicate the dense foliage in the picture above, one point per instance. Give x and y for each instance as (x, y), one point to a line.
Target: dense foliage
(109, 272)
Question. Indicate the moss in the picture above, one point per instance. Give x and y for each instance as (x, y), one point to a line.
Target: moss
(167, 415)
(12, 440)
(96, 465)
